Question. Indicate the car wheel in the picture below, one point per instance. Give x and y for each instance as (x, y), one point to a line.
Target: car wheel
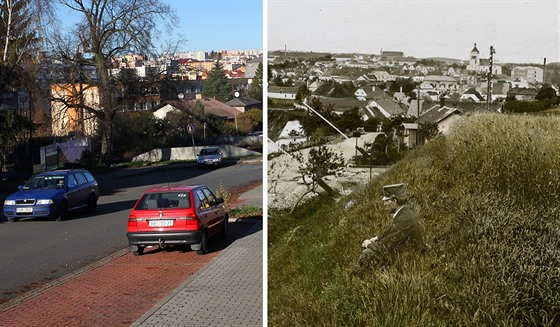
(13, 220)
(92, 203)
(139, 251)
(62, 211)
(203, 241)
(224, 232)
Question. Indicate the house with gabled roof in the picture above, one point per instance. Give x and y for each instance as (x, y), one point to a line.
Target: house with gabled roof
(442, 83)
(445, 118)
(472, 95)
(522, 94)
(381, 75)
(382, 105)
(282, 92)
(210, 105)
(243, 103)
(360, 94)
(313, 86)
(341, 104)
(414, 110)
(519, 82)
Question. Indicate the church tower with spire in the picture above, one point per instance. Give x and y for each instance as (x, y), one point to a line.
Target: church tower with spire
(474, 62)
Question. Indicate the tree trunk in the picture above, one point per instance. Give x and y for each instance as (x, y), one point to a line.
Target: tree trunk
(10, 7)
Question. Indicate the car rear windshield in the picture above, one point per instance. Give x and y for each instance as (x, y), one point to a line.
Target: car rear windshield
(164, 200)
(44, 182)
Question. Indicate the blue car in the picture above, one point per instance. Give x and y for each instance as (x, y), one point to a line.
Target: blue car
(53, 194)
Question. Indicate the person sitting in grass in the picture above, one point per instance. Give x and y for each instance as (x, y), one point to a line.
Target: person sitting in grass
(404, 231)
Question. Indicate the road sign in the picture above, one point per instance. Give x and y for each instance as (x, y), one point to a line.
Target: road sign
(191, 128)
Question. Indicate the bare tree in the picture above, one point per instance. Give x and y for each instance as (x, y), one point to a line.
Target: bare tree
(107, 29)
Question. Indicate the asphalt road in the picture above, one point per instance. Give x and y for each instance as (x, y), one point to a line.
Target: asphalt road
(34, 251)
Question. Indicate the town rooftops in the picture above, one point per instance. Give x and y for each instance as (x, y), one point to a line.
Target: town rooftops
(438, 113)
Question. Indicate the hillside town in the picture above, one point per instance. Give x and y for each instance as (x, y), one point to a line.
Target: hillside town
(391, 84)
(371, 108)
(165, 78)
(66, 104)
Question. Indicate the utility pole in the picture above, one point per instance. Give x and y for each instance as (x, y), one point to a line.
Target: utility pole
(323, 118)
(544, 72)
(418, 116)
(489, 93)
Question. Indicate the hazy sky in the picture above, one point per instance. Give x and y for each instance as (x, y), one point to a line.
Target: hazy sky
(519, 31)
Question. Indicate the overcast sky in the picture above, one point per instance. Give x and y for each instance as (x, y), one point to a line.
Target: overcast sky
(519, 31)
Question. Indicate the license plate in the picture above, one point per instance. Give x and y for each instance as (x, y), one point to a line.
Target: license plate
(160, 223)
(24, 210)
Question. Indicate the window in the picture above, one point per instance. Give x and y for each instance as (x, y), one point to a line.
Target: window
(89, 177)
(80, 178)
(202, 199)
(209, 195)
(167, 200)
(72, 181)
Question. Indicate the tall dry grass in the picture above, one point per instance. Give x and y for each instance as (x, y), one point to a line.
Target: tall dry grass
(488, 198)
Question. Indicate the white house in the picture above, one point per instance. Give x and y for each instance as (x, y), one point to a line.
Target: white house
(360, 94)
(282, 92)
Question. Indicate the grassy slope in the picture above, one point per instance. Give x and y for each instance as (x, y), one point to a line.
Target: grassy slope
(487, 197)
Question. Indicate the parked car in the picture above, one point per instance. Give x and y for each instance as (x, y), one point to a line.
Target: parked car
(53, 194)
(177, 215)
(209, 156)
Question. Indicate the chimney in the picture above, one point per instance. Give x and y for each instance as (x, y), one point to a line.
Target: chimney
(442, 100)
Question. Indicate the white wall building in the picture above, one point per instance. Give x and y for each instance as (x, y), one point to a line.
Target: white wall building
(530, 73)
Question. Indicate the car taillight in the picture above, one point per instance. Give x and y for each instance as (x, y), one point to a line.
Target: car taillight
(191, 222)
(132, 222)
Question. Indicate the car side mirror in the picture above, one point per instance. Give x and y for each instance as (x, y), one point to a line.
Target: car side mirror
(219, 200)
(20, 187)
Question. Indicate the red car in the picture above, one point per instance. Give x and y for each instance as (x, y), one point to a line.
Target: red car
(176, 215)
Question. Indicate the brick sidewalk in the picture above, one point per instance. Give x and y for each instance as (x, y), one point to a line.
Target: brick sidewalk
(227, 292)
(115, 294)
